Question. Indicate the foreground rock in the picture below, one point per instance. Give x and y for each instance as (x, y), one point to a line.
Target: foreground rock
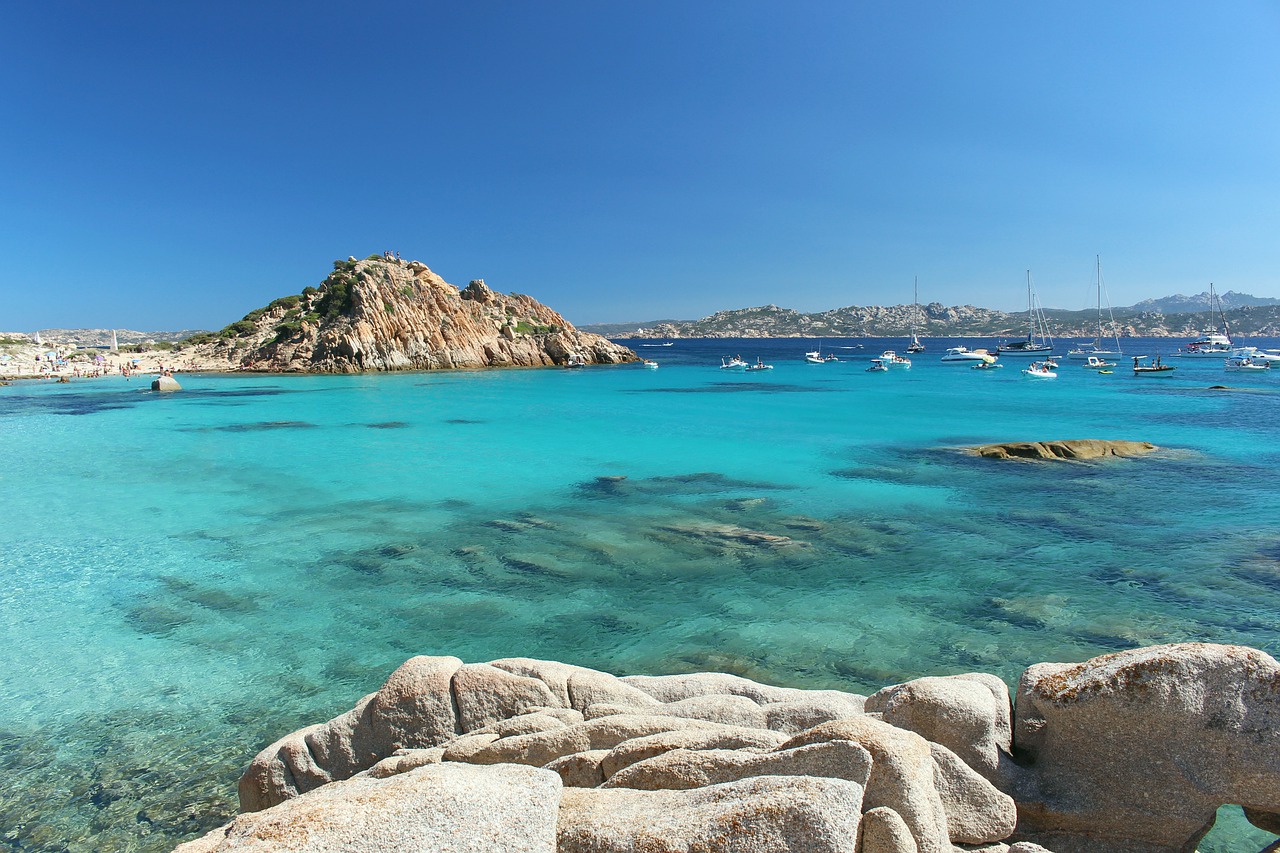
(387, 314)
(1136, 751)
(1127, 752)
(1077, 450)
(446, 808)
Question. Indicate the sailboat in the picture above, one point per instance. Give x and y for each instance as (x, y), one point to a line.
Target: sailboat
(915, 345)
(1038, 342)
(1212, 343)
(1095, 349)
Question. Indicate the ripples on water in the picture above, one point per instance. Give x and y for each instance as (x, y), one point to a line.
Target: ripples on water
(189, 577)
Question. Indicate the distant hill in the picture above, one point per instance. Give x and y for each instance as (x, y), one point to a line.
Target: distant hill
(937, 320)
(1200, 302)
(622, 330)
(102, 337)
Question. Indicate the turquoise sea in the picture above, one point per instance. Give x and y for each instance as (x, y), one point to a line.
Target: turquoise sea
(187, 577)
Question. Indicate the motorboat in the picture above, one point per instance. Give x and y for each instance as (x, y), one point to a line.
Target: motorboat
(667, 344)
(1094, 362)
(964, 355)
(1038, 342)
(735, 363)
(878, 366)
(889, 358)
(986, 365)
(1039, 370)
(759, 365)
(1257, 355)
(1245, 363)
(814, 357)
(1155, 368)
(1212, 343)
(1094, 348)
(650, 363)
(576, 359)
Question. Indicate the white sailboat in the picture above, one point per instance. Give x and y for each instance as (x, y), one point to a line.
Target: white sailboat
(915, 346)
(1095, 349)
(1039, 342)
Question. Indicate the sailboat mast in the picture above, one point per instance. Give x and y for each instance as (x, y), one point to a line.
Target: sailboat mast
(1222, 316)
(1098, 264)
(1031, 317)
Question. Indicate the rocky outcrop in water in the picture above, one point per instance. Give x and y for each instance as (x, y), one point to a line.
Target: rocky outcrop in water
(388, 314)
(1132, 751)
(1076, 450)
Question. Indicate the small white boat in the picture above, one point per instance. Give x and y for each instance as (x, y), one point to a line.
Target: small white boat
(657, 345)
(759, 365)
(1245, 364)
(814, 357)
(735, 363)
(964, 355)
(1096, 363)
(1039, 370)
(576, 360)
(986, 365)
(878, 366)
(889, 358)
(650, 364)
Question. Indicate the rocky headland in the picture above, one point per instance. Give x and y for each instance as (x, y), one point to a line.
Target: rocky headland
(1133, 752)
(384, 313)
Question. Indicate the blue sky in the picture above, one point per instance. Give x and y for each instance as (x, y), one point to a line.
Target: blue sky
(174, 165)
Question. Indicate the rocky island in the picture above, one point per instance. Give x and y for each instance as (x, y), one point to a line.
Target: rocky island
(1131, 752)
(384, 313)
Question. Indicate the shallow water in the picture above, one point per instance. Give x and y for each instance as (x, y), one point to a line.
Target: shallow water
(189, 576)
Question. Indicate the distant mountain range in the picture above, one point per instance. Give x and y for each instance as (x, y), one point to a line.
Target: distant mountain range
(1200, 302)
(1171, 316)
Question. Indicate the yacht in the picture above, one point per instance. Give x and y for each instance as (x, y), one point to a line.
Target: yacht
(889, 358)
(1212, 343)
(735, 363)
(964, 355)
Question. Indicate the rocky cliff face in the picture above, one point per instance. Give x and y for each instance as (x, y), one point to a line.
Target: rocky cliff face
(389, 314)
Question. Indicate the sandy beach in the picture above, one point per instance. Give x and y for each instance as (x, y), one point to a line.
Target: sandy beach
(57, 360)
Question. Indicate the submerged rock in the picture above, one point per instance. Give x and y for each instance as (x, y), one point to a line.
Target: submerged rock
(1077, 450)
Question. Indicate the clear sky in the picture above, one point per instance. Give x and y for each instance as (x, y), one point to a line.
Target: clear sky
(175, 164)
